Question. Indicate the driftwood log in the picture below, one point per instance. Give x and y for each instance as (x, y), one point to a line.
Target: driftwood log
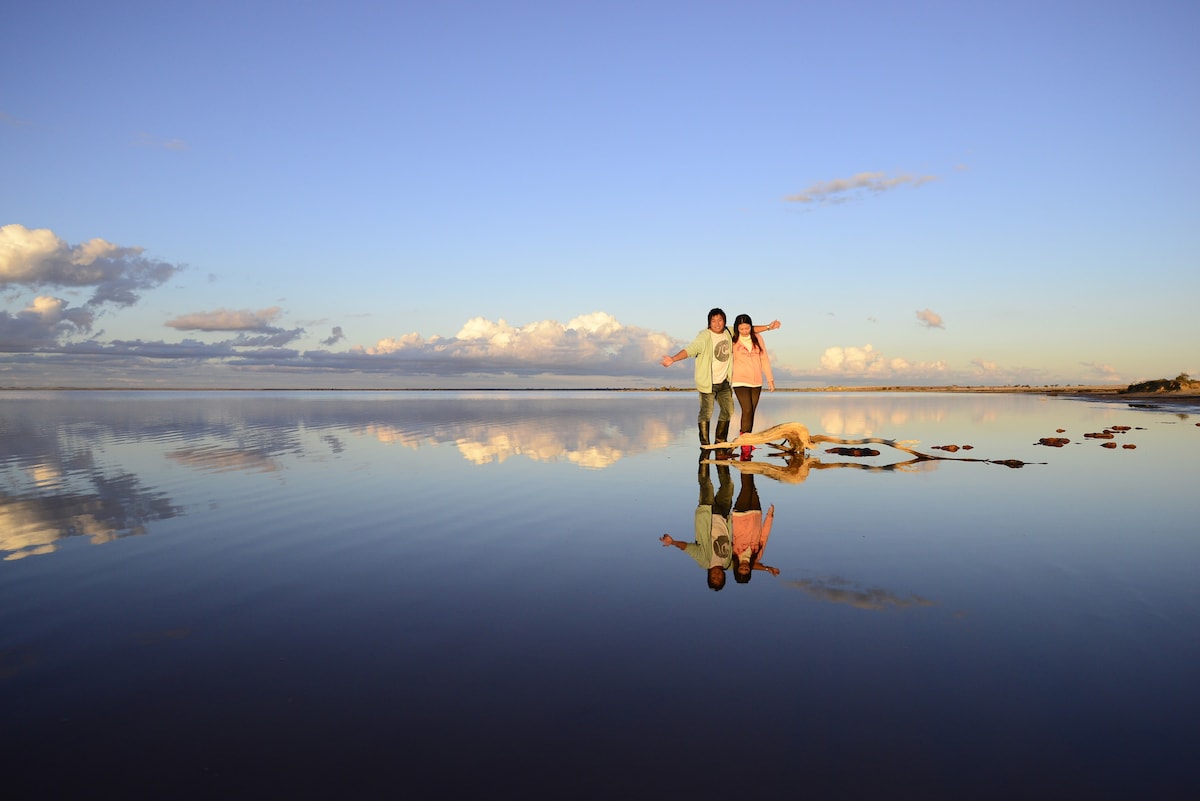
(793, 440)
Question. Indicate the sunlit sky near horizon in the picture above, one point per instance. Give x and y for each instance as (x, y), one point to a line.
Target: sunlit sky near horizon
(554, 194)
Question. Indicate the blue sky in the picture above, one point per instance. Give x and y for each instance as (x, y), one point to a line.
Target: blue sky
(554, 194)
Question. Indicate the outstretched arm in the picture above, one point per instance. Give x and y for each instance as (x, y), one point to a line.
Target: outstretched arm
(667, 539)
(771, 326)
(667, 361)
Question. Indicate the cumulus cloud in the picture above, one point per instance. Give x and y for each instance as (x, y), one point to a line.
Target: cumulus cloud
(39, 258)
(930, 319)
(984, 366)
(865, 362)
(228, 320)
(841, 190)
(592, 343)
(41, 324)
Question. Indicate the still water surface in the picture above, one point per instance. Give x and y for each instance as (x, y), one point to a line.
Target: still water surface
(435, 594)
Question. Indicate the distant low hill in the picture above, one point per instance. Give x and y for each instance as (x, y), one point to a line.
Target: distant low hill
(1180, 383)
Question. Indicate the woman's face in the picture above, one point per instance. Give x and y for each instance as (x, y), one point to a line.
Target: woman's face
(744, 330)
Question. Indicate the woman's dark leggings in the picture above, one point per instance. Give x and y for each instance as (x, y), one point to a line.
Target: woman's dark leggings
(748, 400)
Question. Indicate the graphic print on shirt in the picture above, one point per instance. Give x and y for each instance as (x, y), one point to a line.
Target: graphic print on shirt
(722, 349)
(722, 543)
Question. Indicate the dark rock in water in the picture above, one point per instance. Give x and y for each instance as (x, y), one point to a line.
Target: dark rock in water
(1053, 442)
(1108, 444)
(1060, 431)
(968, 447)
(1119, 428)
(853, 451)
(1129, 446)
(1100, 435)
(1009, 462)
(950, 448)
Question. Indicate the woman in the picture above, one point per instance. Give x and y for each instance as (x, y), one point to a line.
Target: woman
(750, 363)
(751, 530)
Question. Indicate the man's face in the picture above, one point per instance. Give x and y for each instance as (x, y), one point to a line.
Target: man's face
(716, 323)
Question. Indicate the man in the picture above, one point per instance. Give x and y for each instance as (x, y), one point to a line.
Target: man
(713, 546)
(712, 349)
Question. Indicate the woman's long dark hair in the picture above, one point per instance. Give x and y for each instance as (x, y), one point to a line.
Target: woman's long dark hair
(745, 318)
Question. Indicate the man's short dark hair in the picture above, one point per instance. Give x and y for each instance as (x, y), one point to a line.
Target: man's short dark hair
(716, 578)
(714, 312)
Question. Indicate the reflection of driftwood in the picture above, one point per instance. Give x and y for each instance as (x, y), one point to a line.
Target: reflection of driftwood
(796, 469)
(794, 438)
(791, 440)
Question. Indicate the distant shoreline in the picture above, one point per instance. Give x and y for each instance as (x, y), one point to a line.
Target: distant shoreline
(1082, 392)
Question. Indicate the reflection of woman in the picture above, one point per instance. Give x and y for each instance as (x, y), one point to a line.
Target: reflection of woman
(751, 530)
(750, 363)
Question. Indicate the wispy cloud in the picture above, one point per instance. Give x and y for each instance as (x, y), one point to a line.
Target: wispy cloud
(930, 319)
(841, 190)
(840, 591)
(227, 320)
(11, 121)
(1105, 373)
(334, 337)
(158, 143)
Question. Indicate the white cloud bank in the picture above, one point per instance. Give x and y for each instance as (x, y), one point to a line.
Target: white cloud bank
(851, 362)
(595, 343)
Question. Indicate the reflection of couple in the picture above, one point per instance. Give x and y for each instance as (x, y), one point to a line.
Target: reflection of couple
(723, 540)
(714, 348)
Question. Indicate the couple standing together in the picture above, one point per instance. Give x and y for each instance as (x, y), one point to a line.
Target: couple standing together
(728, 364)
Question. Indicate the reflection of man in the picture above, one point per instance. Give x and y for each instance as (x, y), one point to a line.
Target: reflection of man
(712, 348)
(713, 546)
(751, 530)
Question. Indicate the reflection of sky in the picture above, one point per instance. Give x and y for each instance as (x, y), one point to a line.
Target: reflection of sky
(62, 448)
(314, 562)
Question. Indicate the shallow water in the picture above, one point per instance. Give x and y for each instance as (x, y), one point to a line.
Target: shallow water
(441, 593)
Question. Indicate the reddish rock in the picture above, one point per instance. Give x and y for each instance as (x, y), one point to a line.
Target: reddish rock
(1053, 442)
(1108, 444)
(1119, 428)
(950, 448)
(1100, 435)
(1060, 431)
(1129, 446)
(968, 447)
